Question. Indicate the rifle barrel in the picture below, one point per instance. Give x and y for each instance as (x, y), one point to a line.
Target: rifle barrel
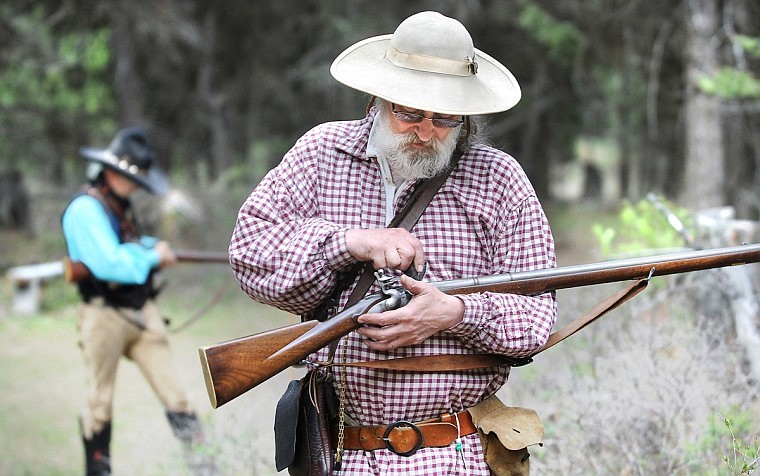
(196, 256)
(75, 271)
(543, 280)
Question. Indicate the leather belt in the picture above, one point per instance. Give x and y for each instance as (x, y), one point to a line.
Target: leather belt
(405, 438)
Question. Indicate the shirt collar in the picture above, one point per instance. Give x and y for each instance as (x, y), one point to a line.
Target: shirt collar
(355, 143)
(372, 148)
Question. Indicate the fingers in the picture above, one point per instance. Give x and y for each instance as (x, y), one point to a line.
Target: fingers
(394, 248)
(165, 253)
(430, 311)
(383, 334)
(419, 263)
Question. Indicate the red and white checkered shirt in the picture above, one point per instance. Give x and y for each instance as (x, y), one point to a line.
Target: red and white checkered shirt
(288, 244)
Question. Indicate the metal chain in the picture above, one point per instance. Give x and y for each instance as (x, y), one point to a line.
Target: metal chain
(341, 406)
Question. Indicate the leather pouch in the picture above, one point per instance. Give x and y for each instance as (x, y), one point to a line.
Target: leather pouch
(506, 433)
(303, 440)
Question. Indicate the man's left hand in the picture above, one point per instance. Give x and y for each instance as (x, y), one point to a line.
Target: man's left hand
(429, 311)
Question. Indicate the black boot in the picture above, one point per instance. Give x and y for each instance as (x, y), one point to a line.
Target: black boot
(97, 455)
(197, 453)
(186, 427)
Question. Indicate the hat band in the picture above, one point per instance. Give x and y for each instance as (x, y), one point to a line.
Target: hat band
(122, 164)
(432, 64)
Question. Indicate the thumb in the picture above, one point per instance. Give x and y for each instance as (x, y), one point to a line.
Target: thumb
(412, 285)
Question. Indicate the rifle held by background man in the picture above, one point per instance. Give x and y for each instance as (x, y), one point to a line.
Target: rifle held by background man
(75, 271)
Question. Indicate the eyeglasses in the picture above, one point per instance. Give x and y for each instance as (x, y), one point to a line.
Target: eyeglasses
(414, 118)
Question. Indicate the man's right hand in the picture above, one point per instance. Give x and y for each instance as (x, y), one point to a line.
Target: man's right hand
(165, 253)
(393, 248)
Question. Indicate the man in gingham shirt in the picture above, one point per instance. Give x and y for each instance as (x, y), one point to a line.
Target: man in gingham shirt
(326, 206)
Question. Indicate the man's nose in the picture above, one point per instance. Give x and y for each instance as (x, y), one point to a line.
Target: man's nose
(425, 130)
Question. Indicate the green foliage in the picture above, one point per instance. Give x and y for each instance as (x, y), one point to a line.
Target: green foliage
(58, 295)
(746, 455)
(744, 447)
(733, 83)
(750, 44)
(48, 79)
(641, 226)
(562, 38)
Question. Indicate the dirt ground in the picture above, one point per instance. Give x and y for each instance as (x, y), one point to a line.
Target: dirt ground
(43, 377)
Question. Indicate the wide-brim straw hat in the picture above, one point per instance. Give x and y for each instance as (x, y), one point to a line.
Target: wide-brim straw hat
(428, 63)
(131, 154)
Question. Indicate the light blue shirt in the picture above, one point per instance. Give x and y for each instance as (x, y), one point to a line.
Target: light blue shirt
(91, 239)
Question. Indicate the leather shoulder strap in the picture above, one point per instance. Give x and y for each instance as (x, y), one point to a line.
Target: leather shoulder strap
(406, 218)
(449, 362)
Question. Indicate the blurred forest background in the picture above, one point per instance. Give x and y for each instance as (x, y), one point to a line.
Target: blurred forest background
(620, 99)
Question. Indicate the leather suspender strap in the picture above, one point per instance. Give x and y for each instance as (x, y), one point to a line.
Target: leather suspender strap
(406, 218)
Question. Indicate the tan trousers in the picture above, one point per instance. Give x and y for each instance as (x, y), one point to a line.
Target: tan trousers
(105, 335)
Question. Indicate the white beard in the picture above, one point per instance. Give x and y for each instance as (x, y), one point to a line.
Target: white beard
(406, 161)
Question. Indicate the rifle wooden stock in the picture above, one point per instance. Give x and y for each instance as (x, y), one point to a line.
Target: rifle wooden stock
(234, 367)
(75, 271)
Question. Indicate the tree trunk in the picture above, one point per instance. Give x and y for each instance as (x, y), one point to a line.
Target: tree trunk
(742, 158)
(126, 78)
(532, 155)
(704, 174)
(14, 201)
(213, 102)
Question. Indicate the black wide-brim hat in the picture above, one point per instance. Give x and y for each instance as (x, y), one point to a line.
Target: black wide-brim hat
(131, 154)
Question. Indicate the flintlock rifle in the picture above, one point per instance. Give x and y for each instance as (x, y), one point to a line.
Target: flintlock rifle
(232, 368)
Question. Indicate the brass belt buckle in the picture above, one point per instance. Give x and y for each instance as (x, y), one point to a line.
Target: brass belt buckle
(400, 424)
